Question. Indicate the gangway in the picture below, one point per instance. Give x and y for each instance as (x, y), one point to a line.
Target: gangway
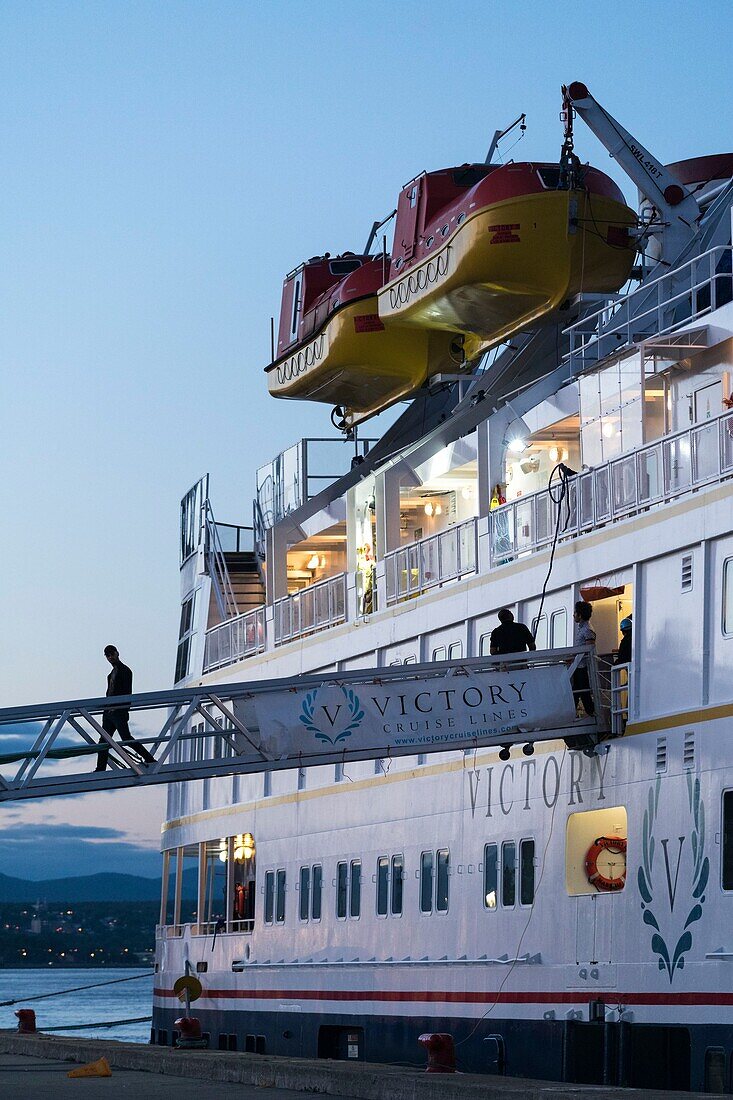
(218, 729)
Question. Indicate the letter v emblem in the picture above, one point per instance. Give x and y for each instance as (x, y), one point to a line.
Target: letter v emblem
(672, 887)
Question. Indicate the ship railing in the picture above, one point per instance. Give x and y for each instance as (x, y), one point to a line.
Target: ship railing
(620, 697)
(316, 607)
(432, 561)
(652, 474)
(168, 931)
(235, 639)
(235, 539)
(672, 301)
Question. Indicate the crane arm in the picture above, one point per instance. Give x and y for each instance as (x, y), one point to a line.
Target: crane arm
(675, 204)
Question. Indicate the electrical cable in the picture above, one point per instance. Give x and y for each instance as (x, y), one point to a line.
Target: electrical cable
(559, 493)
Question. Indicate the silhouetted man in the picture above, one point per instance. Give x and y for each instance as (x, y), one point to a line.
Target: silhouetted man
(119, 682)
(510, 637)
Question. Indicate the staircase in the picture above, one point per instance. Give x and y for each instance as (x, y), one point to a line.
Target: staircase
(246, 585)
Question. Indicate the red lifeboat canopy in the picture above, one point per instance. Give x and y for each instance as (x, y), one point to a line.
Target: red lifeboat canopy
(319, 286)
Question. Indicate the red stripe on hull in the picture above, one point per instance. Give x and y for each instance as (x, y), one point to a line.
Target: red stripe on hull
(452, 997)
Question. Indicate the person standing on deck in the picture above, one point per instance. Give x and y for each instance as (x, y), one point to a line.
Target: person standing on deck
(624, 650)
(584, 635)
(119, 682)
(510, 637)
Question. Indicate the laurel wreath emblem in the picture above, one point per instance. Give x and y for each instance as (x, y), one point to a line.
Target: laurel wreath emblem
(674, 960)
(308, 711)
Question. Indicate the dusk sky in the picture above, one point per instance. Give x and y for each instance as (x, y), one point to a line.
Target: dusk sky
(163, 165)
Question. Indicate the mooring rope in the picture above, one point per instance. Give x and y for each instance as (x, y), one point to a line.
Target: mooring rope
(101, 1023)
(76, 989)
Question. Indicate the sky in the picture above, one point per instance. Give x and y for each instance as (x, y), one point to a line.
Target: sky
(162, 166)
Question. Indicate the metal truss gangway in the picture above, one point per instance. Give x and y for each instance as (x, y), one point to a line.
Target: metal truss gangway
(218, 729)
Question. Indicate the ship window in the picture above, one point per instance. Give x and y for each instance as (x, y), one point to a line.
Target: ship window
(439, 653)
(582, 831)
(460, 219)
(426, 882)
(269, 896)
(397, 874)
(182, 660)
(398, 263)
(412, 660)
(490, 876)
(558, 629)
(297, 288)
(280, 897)
(484, 645)
(413, 198)
(305, 890)
(444, 230)
(470, 175)
(382, 885)
(186, 616)
(429, 242)
(355, 889)
(728, 597)
(455, 651)
(342, 878)
(526, 872)
(539, 629)
(214, 884)
(317, 890)
(727, 841)
(442, 881)
(508, 873)
(343, 267)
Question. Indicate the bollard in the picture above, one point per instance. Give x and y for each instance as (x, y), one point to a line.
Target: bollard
(440, 1050)
(190, 1036)
(26, 1021)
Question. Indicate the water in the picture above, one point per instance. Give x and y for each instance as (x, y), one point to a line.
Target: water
(110, 1002)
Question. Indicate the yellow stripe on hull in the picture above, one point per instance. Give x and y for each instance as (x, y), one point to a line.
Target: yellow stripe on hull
(509, 265)
(360, 363)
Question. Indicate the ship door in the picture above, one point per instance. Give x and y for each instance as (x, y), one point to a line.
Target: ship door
(593, 930)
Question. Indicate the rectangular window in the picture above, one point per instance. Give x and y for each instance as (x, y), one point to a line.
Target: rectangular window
(317, 890)
(342, 877)
(442, 881)
(305, 889)
(426, 882)
(397, 873)
(355, 891)
(382, 885)
(526, 872)
(539, 629)
(455, 651)
(728, 597)
(490, 879)
(269, 896)
(439, 653)
(559, 629)
(484, 645)
(727, 840)
(280, 897)
(508, 873)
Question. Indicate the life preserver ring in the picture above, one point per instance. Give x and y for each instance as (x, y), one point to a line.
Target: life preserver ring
(614, 844)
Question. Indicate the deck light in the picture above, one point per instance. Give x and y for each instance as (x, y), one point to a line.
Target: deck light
(438, 509)
(428, 508)
(516, 446)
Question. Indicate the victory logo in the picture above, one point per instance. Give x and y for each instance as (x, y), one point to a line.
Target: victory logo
(335, 717)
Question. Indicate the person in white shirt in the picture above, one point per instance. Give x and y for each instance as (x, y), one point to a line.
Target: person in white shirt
(584, 635)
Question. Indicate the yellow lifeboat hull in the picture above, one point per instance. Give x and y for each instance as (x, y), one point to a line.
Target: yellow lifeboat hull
(360, 363)
(508, 265)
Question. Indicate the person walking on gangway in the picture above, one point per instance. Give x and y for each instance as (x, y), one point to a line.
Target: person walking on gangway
(510, 637)
(116, 720)
(584, 635)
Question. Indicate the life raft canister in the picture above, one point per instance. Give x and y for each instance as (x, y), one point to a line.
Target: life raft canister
(615, 844)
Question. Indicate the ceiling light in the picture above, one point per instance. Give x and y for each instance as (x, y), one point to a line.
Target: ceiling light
(428, 508)
(516, 446)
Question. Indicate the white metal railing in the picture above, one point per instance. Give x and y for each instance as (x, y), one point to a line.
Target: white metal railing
(676, 299)
(652, 474)
(235, 639)
(431, 561)
(313, 608)
(621, 688)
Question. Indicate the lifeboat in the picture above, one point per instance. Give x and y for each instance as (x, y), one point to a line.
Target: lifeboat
(333, 346)
(488, 250)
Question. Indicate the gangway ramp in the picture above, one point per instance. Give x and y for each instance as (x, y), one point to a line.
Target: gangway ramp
(218, 729)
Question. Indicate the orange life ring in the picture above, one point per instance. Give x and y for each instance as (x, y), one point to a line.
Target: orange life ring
(604, 844)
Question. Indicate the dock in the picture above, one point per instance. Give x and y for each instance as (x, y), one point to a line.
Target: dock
(29, 1063)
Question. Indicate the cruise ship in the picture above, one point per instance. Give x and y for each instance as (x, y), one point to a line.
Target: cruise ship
(560, 906)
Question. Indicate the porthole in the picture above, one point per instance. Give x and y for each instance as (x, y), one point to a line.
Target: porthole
(461, 219)
(429, 242)
(444, 230)
(398, 262)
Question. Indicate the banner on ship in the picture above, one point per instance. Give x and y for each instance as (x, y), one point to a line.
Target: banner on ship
(420, 715)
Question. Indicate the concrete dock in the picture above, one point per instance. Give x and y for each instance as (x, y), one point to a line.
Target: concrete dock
(33, 1065)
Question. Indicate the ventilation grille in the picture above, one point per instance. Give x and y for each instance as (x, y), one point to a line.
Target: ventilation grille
(661, 761)
(687, 573)
(688, 750)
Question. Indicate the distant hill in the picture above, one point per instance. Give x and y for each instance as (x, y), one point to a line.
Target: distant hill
(107, 886)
